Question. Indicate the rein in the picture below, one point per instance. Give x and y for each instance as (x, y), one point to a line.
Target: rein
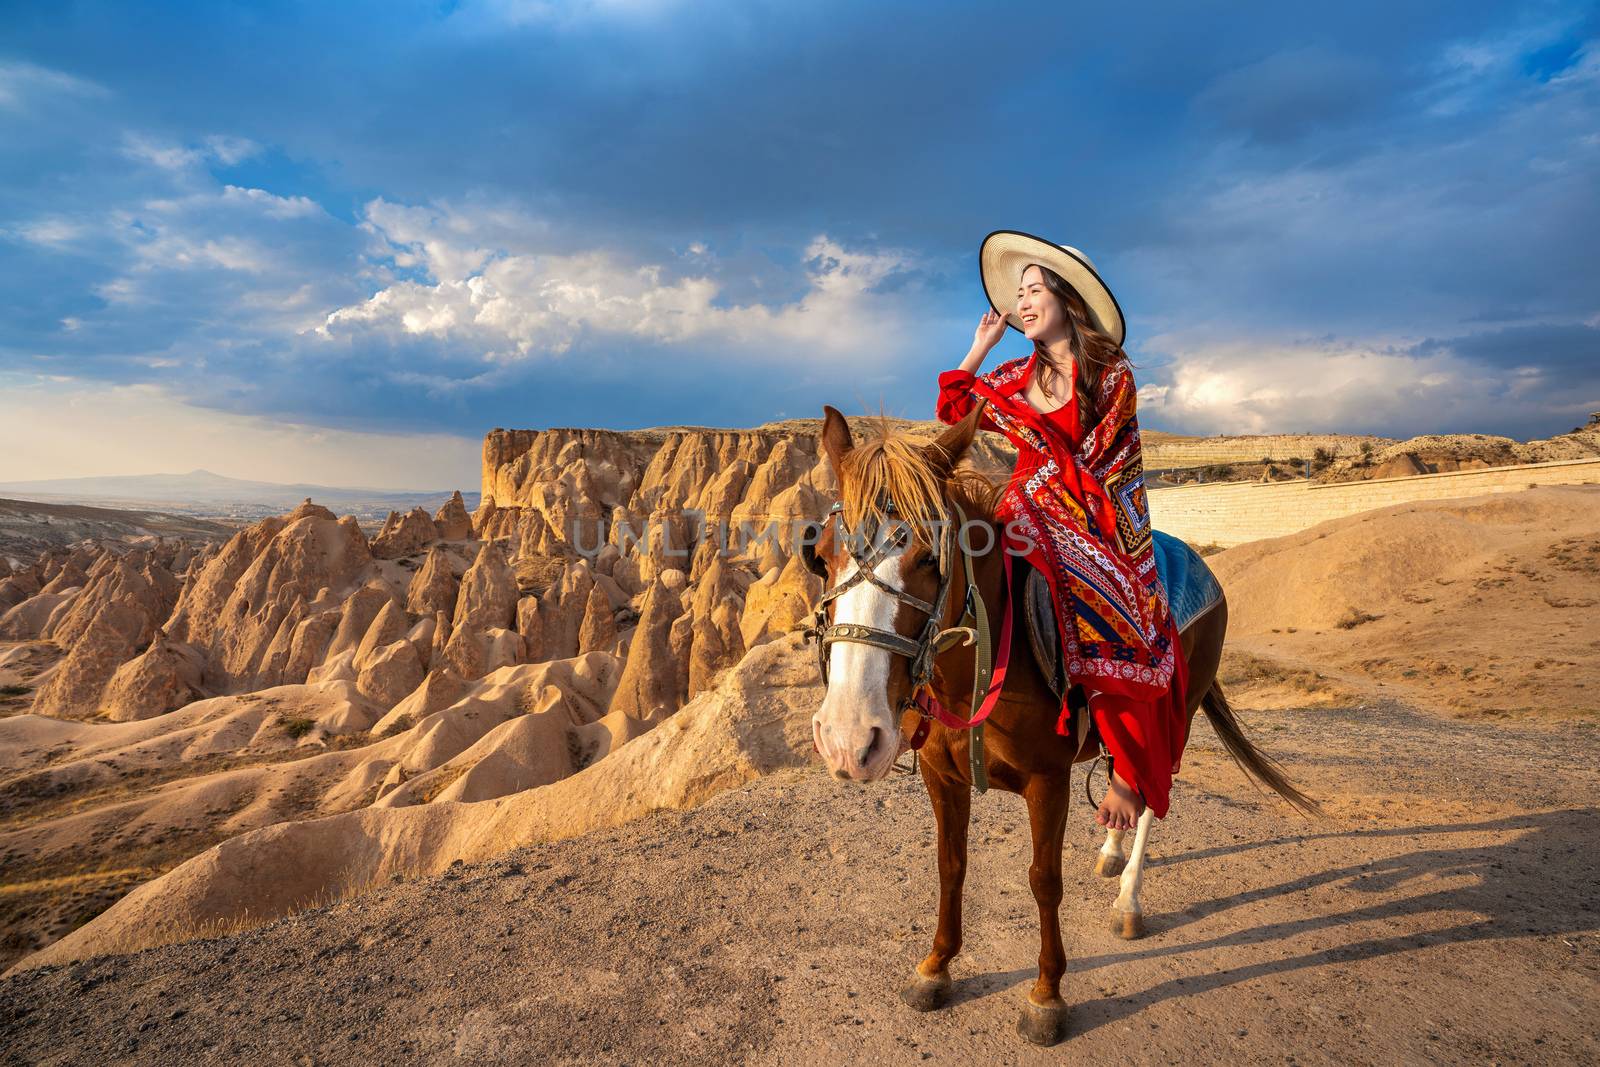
(972, 629)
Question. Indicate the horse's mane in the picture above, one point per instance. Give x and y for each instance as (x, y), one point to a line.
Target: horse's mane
(891, 464)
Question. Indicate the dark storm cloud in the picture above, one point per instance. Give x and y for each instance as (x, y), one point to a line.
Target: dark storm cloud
(1567, 349)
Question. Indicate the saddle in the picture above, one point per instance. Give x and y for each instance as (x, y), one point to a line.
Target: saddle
(1192, 591)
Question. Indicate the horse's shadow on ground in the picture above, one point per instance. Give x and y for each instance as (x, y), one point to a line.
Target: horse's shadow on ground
(1540, 883)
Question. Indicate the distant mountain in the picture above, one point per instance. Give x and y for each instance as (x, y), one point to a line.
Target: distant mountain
(203, 492)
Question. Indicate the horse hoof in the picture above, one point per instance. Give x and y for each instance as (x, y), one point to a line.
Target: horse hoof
(927, 994)
(1128, 925)
(1110, 866)
(1043, 1024)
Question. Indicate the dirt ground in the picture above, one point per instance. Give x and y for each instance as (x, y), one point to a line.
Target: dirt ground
(1444, 912)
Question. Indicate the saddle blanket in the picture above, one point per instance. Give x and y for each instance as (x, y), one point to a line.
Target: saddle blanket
(1192, 589)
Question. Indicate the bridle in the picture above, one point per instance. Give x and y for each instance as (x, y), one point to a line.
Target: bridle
(933, 639)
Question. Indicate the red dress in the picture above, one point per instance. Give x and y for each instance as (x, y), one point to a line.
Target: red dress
(1076, 508)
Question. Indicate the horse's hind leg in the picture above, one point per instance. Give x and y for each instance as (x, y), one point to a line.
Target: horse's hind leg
(1044, 1016)
(1111, 861)
(1127, 918)
(952, 807)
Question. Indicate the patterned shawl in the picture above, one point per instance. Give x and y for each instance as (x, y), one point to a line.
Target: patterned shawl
(1085, 509)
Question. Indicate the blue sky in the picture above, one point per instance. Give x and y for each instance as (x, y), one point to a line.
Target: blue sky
(340, 241)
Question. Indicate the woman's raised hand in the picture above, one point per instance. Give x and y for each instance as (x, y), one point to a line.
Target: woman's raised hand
(991, 328)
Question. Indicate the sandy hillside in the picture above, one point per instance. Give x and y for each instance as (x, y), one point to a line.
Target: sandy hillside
(1481, 606)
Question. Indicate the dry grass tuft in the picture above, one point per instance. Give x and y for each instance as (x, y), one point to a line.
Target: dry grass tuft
(440, 780)
(1356, 617)
(1241, 670)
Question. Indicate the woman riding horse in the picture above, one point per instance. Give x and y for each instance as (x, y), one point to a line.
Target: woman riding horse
(920, 628)
(1078, 496)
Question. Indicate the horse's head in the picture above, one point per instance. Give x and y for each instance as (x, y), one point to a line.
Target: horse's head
(894, 517)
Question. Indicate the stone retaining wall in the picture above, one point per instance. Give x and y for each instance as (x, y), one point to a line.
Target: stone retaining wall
(1236, 512)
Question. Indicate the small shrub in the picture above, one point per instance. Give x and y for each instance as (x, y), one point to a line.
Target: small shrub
(439, 780)
(399, 726)
(298, 726)
(1355, 617)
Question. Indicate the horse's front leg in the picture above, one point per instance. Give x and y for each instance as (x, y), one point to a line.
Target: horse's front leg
(952, 808)
(1044, 1017)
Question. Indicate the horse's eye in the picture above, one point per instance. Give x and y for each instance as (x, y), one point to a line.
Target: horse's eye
(928, 560)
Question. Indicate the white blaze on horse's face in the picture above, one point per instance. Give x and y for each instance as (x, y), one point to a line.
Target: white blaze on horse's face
(855, 729)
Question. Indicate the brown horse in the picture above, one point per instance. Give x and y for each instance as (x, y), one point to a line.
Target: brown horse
(870, 682)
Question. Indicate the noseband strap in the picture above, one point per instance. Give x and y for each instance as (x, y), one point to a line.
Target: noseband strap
(920, 650)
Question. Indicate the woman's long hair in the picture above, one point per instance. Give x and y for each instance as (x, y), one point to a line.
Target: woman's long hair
(1094, 351)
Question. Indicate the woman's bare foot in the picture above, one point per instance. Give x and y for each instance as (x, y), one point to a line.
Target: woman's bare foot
(1121, 808)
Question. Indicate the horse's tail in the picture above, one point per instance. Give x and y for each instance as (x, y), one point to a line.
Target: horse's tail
(1256, 764)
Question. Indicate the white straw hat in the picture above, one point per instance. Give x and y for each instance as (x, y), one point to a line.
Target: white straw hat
(1005, 254)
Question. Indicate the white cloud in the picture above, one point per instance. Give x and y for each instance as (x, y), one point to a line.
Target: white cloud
(21, 83)
(278, 207)
(171, 249)
(52, 232)
(230, 150)
(166, 156)
(63, 428)
(494, 286)
(1471, 73)
(174, 157)
(1293, 385)
(276, 246)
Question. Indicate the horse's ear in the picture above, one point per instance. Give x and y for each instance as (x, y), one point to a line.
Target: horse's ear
(952, 445)
(835, 438)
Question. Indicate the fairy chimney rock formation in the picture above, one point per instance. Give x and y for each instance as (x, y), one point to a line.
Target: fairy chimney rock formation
(562, 608)
(680, 643)
(475, 653)
(163, 678)
(389, 626)
(452, 520)
(488, 596)
(433, 587)
(717, 602)
(411, 534)
(778, 602)
(718, 645)
(530, 624)
(390, 673)
(598, 630)
(649, 686)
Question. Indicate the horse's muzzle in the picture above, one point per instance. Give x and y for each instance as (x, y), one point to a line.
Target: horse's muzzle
(857, 750)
